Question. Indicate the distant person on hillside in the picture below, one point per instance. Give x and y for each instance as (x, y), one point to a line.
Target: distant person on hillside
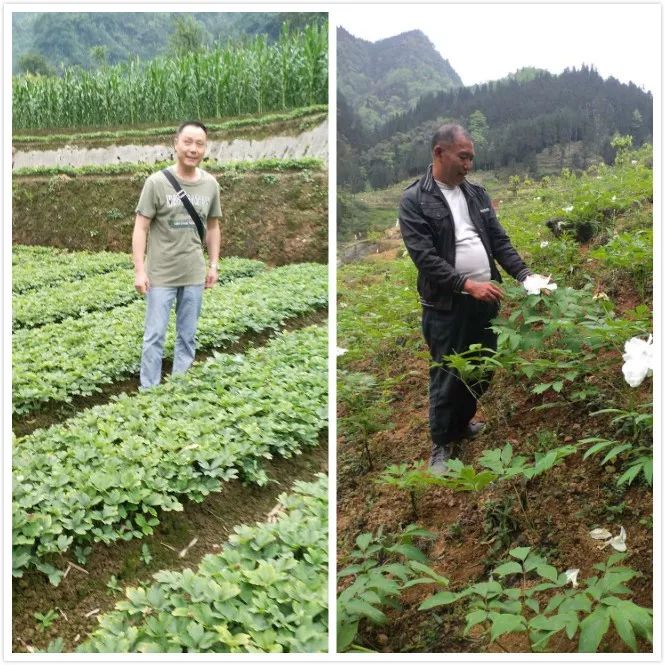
(174, 219)
(453, 236)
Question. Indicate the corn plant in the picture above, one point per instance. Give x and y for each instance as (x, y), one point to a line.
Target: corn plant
(230, 80)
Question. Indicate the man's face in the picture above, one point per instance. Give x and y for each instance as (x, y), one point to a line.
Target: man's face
(453, 162)
(190, 146)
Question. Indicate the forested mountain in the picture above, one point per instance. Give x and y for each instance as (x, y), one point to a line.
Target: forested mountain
(379, 79)
(512, 121)
(62, 39)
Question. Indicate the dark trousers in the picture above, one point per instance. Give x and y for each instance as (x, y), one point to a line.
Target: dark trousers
(452, 404)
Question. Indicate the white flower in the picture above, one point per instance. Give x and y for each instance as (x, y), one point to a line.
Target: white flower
(534, 283)
(638, 360)
(544, 244)
(571, 576)
(600, 534)
(619, 542)
(614, 198)
(567, 209)
(341, 351)
(633, 162)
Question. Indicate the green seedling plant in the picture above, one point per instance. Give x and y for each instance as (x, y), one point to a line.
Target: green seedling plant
(367, 409)
(379, 569)
(146, 555)
(78, 356)
(530, 596)
(108, 473)
(498, 464)
(635, 447)
(112, 586)
(45, 620)
(415, 479)
(265, 592)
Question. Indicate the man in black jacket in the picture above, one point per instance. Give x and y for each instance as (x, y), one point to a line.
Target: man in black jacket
(454, 238)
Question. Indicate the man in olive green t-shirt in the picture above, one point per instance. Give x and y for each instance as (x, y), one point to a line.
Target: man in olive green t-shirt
(175, 268)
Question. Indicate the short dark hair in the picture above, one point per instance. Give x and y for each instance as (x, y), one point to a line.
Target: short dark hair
(446, 134)
(192, 123)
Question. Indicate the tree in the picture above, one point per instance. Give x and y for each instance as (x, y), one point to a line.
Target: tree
(478, 129)
(99, 55)
(34, 63)
(187, 37)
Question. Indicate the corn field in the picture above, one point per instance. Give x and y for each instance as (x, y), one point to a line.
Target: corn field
(237, 79)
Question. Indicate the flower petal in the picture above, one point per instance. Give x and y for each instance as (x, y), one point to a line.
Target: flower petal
(571, 576)
(600, 534)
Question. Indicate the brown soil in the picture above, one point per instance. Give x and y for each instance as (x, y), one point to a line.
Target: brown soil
(212, 521)
(276, 217)
(56, 412)
(561, 507)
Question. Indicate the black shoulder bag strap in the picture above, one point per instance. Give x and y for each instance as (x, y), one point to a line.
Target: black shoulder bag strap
(182, 195)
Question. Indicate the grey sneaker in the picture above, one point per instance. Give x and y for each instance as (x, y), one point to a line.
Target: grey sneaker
(474, 428)
(438, 462)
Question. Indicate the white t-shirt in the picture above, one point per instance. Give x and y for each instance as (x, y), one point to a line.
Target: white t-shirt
(470, 255)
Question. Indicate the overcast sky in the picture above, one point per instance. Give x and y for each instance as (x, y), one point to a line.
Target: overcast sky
(486, 42)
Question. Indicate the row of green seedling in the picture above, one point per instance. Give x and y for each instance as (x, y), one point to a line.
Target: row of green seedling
(79, 356)
(142, 169)
(94, 293)
(38, 267)
(105, 474)
(265, 592)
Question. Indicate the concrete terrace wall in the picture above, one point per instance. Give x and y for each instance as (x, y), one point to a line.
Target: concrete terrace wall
(311, 143)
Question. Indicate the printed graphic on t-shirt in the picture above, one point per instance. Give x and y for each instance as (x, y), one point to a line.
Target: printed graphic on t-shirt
(198, 200)
(185, 221)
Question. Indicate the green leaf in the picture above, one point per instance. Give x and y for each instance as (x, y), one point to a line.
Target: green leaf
(623, 627)
(505, 623)
(441, 598)
(532, 604)
(474, 618)
(508, 568)
(548, 572)
(362, 608)
(520, 553)
(363, 541)
(346, 633)
(408, 551)
(592, 630)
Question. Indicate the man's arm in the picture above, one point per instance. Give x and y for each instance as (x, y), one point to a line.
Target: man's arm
(213, 241)
(502, 248)
(139, 241)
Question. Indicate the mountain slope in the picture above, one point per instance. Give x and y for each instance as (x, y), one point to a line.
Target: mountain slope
(522, 118)
(386, 77)
(67, 38)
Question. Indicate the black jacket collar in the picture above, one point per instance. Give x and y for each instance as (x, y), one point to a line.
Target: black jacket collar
(427, 184)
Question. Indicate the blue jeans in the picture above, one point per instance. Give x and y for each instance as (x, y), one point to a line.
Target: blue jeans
(159, 300)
